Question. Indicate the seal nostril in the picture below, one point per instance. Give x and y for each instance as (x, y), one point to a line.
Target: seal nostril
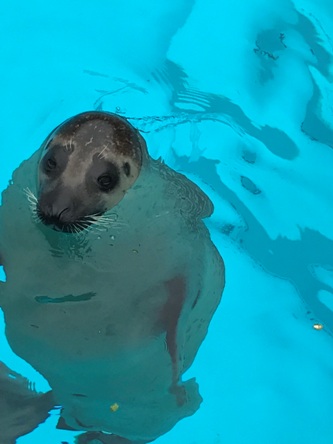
(60, 215)
(50, 217)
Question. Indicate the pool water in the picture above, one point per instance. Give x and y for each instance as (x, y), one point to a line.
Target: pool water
(238, 96)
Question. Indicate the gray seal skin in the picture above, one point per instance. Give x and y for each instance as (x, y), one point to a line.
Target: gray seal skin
(111, 277)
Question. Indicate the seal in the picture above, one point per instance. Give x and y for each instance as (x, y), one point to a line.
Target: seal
(111, 277)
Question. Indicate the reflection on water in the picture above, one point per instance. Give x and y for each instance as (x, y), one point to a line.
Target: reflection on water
(238, 97)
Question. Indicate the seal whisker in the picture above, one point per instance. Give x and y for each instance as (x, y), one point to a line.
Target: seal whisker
(33, 205)
(69, 146)
(113, 225)
(35, 216)
(94, 224)
(76, 229)
(81, 226)
(88, 218)
(104, 223)
(101, 155)
(88, 222)
(32, 199)
(71, 229)
(108, 220)
(92, 215)
(94, 227)
(101, 222)
(30, 194)
(33, 209)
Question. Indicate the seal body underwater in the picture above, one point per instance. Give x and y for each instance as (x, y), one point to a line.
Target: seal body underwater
(111, 277)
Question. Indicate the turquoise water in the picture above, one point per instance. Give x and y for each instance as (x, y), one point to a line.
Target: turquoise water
(236, 95)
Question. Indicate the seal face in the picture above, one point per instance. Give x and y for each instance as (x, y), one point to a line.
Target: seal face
(88, 164)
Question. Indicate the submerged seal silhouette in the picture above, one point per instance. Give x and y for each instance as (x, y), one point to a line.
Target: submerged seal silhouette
(111, 277)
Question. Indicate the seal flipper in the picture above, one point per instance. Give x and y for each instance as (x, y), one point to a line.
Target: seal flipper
(170, 315)
(62, 425)
(22, 409)
(92, 437)
(102, 438)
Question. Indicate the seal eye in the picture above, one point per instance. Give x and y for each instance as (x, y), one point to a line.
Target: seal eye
(106, 182)
(50, 164)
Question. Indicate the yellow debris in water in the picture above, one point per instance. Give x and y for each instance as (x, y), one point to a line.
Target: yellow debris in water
(318, 326)
(114, 407)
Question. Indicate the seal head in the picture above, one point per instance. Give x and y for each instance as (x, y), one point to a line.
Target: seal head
(87, 165)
